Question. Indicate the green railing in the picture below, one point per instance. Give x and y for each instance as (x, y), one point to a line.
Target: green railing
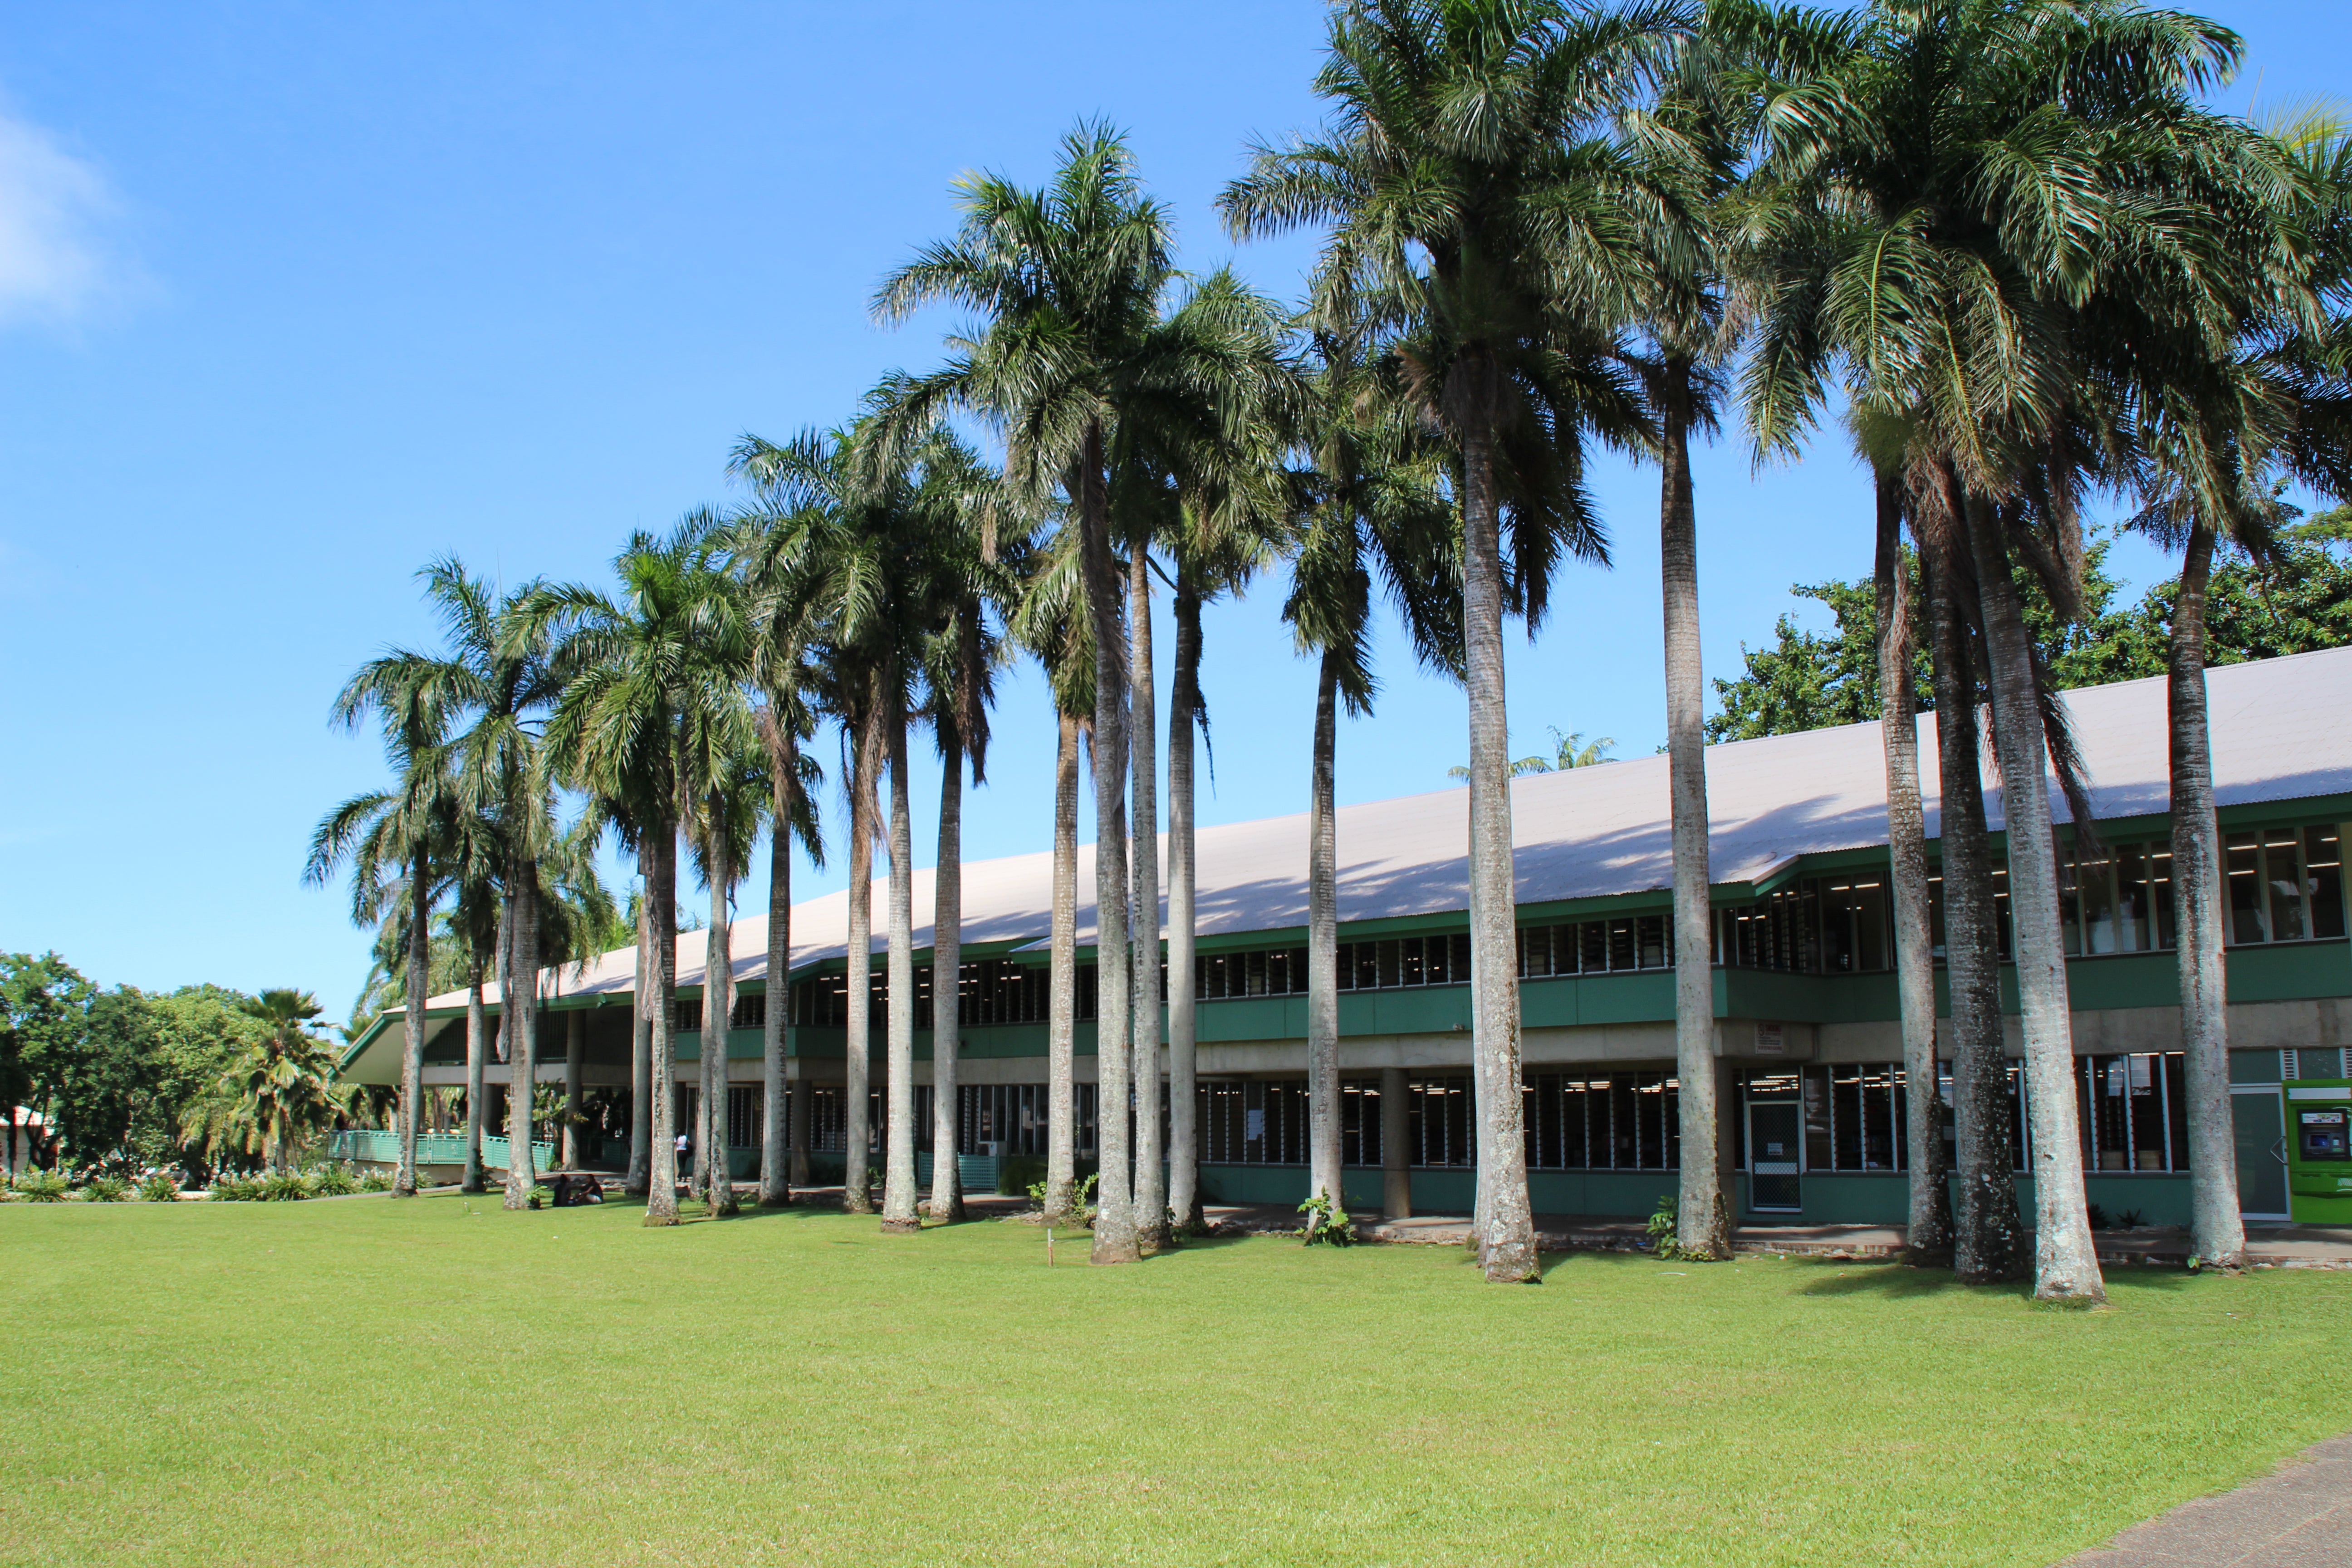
(379, 1147)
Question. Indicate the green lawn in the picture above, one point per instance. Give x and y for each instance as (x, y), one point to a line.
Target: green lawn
(370, 1383)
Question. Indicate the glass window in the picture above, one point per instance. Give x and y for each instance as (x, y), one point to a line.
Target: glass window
(2323, 867)
(1535, 951)
(2159, 881)
(2095, 886)
(2135, 927)
(1818, 1153)
(1392, 961)
(1650, 940)
(1592, 947)
(2283, 879)
(1621, 945)
(2242, 907)
(1409, 966)
(1845, 1117)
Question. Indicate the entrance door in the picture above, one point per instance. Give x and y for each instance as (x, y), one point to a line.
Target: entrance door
(2260, 1122)
(1775, 1132)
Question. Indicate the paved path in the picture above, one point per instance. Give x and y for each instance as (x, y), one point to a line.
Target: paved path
(2298, 1516)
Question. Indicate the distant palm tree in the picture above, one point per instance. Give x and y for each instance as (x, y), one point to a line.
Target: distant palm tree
(282, 1085)
(1093, 378)
(1051, 624)
(1570, 751)
(631, 665)
(1372, 510)
(397, 833)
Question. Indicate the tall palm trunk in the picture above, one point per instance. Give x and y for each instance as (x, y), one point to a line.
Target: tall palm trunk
(1183, 1034)
(1061, 985)
(947, 983)
(718, 1017)
(1114, 1233)
(898, 1212)
(2065, 1264)
(776, 1178)
(641, 1040)
(1323, 1170)
(1989, 1241)
(1929, 1237)
(856, 1196)
(1151, 1174)
(1504, 1220)
(661, 848)
(2216, 1232)
(477, 1048)
(1702, 1224)
(412, 1026)
(519, 1001)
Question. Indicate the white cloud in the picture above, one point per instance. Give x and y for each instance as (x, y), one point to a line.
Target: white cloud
(54, 210)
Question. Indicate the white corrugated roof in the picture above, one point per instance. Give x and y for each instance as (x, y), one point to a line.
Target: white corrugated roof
(2279, 729)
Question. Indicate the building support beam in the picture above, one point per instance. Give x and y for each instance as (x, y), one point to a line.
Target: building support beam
(1396, 1176)
(575, 1056)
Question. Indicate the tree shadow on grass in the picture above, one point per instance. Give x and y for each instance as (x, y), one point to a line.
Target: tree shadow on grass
(1900, 1282)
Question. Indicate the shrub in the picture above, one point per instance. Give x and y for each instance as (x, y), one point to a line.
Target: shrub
(376, 1182)
(1663, 1220)
(1018, 1173)
(160, 1187)
(228, 1188)
(106, 1190)
(1326, 1222)
(288, 1186)
(41, 1188)
(336, 1179)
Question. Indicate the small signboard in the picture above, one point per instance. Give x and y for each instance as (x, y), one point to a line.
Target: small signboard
(1771, 1041)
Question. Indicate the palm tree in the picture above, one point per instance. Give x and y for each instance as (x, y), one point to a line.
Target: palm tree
(779, 581)
(1972, 231)
(880, 507)
(283, 1084)
(1371, 504)
(724, 758)
(401, 830)
(631, 665)
(1050, 623)
(1090, 379)
(1473, 238)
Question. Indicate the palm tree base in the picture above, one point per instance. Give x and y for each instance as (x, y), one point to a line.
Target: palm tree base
(901, 1226)
(1109, 1252)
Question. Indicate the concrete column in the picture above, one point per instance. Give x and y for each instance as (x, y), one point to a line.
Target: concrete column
(1726, 1138)
(576, 1052)
(1396, 1176)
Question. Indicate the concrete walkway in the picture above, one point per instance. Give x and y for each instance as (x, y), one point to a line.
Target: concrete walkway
(2298, 1516)
(2269, 1246)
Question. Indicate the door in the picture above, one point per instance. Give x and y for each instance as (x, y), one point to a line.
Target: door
(1775, 1132)
(2259, 1120)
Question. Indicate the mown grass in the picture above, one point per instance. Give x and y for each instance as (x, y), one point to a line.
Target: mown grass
(366, 1382)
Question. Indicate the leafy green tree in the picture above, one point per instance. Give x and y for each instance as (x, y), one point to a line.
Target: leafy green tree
(2296, 600)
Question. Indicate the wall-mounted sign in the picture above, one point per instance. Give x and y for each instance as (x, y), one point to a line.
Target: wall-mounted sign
(1771, 1041)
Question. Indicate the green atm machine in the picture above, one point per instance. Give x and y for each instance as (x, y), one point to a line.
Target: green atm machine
(2319, 1150)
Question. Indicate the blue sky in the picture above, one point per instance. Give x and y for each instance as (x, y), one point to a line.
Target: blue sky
(294, 298)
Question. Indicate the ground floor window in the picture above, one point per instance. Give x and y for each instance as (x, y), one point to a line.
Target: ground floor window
(1604, 1121)
(1017, 1119)
(1252, 1121)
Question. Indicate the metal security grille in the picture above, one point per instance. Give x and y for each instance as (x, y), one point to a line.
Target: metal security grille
(744, 1104)
(1604, 1122)
(1438, 1124)
(1254, 1121)
(1017, 1119)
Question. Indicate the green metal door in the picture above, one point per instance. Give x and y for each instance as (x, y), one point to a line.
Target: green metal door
(2260, 1122)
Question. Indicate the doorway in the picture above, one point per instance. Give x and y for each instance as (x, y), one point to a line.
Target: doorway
(2258, 1119)
(1775, 1133)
